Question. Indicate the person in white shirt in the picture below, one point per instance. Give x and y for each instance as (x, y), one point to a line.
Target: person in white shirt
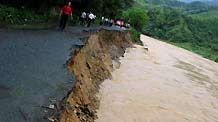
(83, 18)
(91, 17)
(102, 21)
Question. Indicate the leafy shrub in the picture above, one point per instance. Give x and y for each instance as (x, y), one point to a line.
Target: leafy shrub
(135, 35)
(137, 17)
(11, 15)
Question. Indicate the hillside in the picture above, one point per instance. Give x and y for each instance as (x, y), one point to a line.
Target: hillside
(171, 3)
(189, 1)
(211, 14)
(192, 26)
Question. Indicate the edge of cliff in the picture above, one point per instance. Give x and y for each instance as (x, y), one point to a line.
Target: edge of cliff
(92, 64)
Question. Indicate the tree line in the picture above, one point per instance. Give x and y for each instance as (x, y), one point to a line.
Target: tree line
(195, 34)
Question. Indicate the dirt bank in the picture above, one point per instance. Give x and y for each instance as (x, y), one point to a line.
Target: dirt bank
(92, 64)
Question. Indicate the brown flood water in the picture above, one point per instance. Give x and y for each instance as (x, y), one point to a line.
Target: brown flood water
(164, 84)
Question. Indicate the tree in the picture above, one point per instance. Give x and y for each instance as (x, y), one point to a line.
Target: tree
(109, 8)
(137, 17)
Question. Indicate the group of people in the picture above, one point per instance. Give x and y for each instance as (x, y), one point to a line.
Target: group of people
(86, 18)
(106, 21)
(110, 22)
(66, 12)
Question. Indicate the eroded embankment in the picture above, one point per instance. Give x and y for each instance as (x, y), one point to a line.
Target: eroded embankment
(92, 64)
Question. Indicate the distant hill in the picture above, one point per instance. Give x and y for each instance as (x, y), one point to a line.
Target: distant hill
(214, 3)
(171, 3)
(189, 1)
(193, 7)
(211, 14)
(210, 2)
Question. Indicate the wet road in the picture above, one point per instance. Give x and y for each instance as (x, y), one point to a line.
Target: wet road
(163, 84)
(33, 72)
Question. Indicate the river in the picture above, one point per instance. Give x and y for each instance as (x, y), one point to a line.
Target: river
(163, 84)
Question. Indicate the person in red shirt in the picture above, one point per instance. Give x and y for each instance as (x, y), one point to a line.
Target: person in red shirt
(66, 11)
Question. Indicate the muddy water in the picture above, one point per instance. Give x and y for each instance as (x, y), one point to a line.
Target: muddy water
(164, 84)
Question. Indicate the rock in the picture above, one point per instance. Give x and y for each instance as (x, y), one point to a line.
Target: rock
(51, 119)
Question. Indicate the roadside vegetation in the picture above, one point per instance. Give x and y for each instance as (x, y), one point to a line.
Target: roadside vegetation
(23, 16)
(138, 19)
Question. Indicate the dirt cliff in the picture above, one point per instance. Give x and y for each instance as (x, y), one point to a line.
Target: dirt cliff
(91, 64)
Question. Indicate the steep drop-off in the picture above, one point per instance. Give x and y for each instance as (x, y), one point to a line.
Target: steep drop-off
(91, 64)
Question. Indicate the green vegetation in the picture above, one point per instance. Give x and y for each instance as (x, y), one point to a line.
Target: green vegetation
(137, 17)
(15, 16)
(110, 8)
(26, 14)
(135, 35)
(211, 14)
(191, 26)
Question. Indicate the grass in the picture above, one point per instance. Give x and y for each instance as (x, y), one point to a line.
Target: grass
(141, 2)
(203, 51)
(135, 36)
(20, 92)
(211, 14)
(23, 18)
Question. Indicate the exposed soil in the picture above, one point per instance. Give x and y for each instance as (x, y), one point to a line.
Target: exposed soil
(92, 64)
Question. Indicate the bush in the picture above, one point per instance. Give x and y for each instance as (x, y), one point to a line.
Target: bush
(216, 60)
(137, 17)
(15, 16)
(135, 36)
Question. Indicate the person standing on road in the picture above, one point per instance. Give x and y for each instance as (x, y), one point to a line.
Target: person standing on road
(66, 11)
(102, 21)
(83, 18)
(91, 17)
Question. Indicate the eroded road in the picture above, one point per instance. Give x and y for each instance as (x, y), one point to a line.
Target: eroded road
(164, 84)
(33, 71)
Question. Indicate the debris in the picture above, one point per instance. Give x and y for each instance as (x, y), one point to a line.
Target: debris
(48, 107)
(52, 106)
(51, 119)
(52, 99)
(146, 47)
(75, 111)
